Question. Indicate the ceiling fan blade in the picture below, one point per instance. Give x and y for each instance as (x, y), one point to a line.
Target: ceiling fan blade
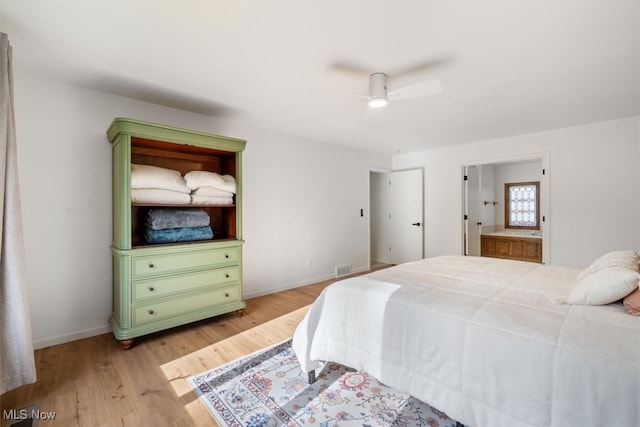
(350, 67)
(417, 90)
(421, 67)
(349, 93)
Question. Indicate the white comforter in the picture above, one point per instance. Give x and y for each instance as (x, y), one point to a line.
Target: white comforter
(488, 341)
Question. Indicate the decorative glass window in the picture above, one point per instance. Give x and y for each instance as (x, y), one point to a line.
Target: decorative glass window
(522, 205)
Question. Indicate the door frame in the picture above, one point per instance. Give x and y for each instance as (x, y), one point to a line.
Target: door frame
(545, 198)
(466, 210)
(371, 169)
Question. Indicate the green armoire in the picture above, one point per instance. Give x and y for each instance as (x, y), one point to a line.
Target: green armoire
(160, 286)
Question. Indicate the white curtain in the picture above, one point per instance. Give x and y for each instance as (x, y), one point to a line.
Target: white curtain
(17, 365)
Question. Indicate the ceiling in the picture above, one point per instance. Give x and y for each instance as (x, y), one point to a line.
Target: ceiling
(506, 67)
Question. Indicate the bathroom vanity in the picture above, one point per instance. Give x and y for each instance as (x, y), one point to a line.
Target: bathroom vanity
(512, 245)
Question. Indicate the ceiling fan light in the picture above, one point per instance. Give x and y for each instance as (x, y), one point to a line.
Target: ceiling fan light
(377, 102)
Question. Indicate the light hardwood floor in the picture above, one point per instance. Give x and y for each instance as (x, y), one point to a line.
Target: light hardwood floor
(94, 382)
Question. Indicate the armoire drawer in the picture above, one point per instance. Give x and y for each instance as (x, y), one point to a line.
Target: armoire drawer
(149, 265)
(147, 289)
(174, 307)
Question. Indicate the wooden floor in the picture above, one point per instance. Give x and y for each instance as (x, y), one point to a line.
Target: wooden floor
(94, 382)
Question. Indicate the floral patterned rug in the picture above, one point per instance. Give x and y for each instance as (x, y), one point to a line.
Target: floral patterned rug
(268, 388)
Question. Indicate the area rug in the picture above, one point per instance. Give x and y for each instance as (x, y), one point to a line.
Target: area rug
(268, 388)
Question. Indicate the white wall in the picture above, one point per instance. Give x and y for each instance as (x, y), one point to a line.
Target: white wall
(594, 188)
(302, 202)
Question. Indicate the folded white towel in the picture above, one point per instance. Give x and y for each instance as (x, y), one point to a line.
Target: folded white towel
(211, 200)
(211, 191)
(157, 195)
(147, 176)
(197, 179)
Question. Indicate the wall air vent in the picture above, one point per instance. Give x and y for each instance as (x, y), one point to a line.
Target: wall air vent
(343, 270)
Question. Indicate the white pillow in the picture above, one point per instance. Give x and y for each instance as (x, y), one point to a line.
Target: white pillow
(626, 259)
(147, 176)
(604, 286)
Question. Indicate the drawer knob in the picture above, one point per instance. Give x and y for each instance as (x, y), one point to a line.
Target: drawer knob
(151, 289)
(152, 312)
(226, 255)
(226, 295)
(151, 265)
(226, 275)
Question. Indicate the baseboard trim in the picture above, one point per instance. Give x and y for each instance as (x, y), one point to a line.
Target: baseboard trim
(72, 336)
(305, 282)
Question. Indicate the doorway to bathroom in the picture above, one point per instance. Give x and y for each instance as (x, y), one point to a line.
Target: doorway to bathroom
(483, 204)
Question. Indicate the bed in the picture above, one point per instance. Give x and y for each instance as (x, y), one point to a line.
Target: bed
(490, 342)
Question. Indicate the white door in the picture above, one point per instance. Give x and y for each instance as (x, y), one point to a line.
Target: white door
(473, 211)
(406, 223)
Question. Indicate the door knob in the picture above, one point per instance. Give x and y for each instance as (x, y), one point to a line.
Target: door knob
(417, 224)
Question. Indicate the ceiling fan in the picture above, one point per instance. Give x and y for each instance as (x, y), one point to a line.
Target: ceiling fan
(379, 95)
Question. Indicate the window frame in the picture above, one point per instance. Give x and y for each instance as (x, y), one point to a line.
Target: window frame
(507, 205)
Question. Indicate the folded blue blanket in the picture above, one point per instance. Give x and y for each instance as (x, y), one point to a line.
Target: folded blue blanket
(173, 235)
(163, 218)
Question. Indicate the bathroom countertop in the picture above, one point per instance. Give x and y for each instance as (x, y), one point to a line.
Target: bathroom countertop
(515, 233)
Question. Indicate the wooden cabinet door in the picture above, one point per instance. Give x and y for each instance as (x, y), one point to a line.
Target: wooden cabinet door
(502, 247)
(488, 246)
(515, 249)
(532, 251)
